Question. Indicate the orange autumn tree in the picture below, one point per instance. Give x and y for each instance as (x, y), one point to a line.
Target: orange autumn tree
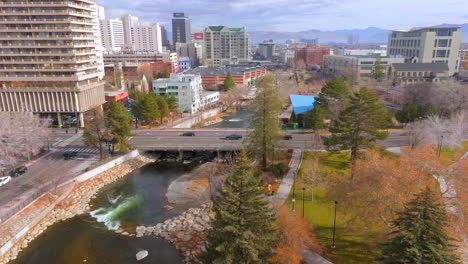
(296, 235)
(385, 184)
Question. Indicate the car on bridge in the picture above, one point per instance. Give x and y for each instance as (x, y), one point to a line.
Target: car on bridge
(233, 137)
(4, 180)
(18, 171)
(188, 134)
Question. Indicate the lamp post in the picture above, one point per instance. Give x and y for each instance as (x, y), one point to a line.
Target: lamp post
(440, 144)
(303, 191)
(334, 226)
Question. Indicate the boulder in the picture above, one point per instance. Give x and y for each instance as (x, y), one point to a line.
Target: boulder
(141, 255)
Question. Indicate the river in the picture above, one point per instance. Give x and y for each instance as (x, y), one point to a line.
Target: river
(136, 199)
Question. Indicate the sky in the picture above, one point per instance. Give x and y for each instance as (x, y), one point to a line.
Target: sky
(297, 15)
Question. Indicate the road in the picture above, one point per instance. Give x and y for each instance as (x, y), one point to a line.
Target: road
(50, 167)
(206, 139)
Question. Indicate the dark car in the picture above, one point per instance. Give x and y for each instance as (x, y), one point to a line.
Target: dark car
(188, 134)
(18, 171)
(233, 137)
(287, 137)
(69, 155)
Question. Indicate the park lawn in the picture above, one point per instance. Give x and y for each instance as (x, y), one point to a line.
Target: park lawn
(449, 155)
(353, 245)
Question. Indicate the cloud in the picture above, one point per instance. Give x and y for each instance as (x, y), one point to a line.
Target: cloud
(294, 15)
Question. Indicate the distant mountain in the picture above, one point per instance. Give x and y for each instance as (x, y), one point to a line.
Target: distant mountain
(368, 35)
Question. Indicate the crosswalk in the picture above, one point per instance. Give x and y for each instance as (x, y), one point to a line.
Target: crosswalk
(83, 150)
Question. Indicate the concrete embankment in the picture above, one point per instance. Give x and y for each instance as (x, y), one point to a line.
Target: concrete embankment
(73, 200)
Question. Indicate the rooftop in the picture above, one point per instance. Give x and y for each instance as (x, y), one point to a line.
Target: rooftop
(434, 67)
(234, 70)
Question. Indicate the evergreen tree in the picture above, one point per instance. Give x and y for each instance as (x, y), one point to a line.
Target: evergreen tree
(264, 137)
(358, 125)
(172, 102)
(378, 72)
(242, 230)
(146, 109)
(163, 107)
(408, 113)
(335, 90)
(229, 82)
(315, 119)
(420, 236)
(118, 120)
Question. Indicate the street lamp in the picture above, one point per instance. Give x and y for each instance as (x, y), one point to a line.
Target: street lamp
(334, 226)
(440, 144)
(303, 191)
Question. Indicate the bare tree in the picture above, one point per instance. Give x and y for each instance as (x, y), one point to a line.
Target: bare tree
(233, 96)
(22, 135)
(95, 133)
(444, 131)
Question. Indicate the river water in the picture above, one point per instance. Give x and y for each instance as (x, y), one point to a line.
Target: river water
(137, 199)
(134, 200)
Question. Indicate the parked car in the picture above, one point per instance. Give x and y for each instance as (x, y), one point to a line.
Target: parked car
(287, 137)
(188, 134)
(233, 137)
(4, 180)
(69, 155)
(18, 171)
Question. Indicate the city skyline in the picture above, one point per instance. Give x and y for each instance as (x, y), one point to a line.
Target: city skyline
(281, 15)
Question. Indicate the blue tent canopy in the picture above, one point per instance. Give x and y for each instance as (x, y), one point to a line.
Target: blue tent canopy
(302, 103)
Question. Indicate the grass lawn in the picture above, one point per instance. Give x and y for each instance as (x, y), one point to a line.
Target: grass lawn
(353, 244)
(449, 155)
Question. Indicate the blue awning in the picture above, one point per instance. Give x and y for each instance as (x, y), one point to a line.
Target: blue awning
(302, 103)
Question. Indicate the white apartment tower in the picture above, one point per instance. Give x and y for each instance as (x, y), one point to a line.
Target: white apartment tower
(428, 45)
(147, 38)
(225, 45)
(129, 21)
(112, 34)
(50, 59)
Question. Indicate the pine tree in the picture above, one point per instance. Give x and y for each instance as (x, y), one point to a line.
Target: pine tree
(378, 72)
(229, 82)
(358, 125)
(118, 120)
(420, 236)
(335, 90)
(172, 102)
(146, 109)
(264, 138)
(315, 119)
(242, 231)
(163, 107)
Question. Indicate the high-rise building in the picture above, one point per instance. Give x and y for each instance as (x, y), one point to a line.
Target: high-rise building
(225, 46)
(164, 39)
(50, 57)
(266, 49)
(101, 12)
(427, 45)
(181, 32)
(129, 21)
(147, 38)
(198, 41)
(112, 34)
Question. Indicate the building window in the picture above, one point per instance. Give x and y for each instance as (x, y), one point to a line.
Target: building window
(441, 53)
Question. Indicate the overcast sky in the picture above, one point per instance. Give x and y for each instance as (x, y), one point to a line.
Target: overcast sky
(297, 15)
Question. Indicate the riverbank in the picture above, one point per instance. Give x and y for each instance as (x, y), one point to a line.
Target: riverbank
(69, 200)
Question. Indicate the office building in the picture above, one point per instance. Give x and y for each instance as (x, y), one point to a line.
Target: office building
(266, 49)
(147, 38)
(428, 45)
(363, 52)
(165, 41)
(112, 34)
(185, 64)
(414, 73)
(181, 32)
(463, 58)
(312, 55)
(287, 56)
(224, 46)
(136, 58)
(101, 12)
(50, 57)
(129, 21)
(186, 87)
(356, 67)
(213, 77)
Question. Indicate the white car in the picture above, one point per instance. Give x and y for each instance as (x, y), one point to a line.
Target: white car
(4, 180)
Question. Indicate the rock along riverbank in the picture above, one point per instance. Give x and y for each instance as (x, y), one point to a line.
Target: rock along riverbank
(76, 202)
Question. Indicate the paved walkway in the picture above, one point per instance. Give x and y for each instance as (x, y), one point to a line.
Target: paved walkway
(283, 194)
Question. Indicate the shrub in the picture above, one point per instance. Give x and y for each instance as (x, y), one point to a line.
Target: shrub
(66, 126)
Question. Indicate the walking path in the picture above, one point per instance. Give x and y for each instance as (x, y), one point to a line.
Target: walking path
(282, 195)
